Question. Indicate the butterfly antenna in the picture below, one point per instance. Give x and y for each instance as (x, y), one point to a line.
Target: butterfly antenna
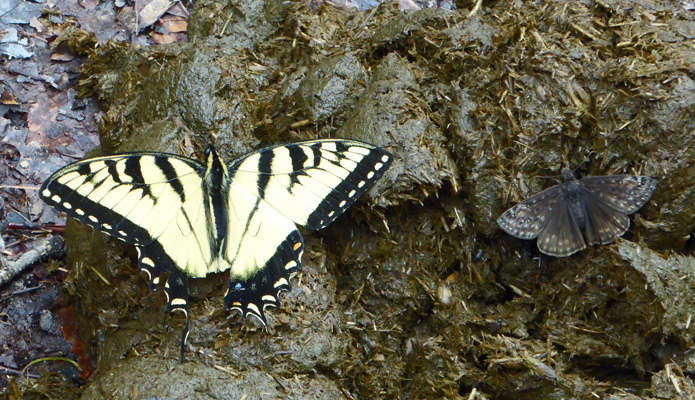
(554, 177)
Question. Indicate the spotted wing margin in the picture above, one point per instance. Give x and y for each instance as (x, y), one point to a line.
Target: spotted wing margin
(262, 249)
(624, 193)
(308, 183)
(527, 219)
(311, 183)
(151, 200)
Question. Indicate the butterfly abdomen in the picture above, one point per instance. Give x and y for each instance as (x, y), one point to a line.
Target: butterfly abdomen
(215, 192)
(572, 193)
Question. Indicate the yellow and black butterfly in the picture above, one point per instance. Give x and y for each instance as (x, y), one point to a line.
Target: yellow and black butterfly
(191, 219)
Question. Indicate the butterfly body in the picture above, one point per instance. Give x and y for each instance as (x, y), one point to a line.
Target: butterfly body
(567, 217)
(572, 193)
(191, 219)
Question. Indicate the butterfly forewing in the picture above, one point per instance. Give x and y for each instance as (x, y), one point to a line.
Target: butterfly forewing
(624, 193)
(312, 183)
(119, 194)
(528, 218)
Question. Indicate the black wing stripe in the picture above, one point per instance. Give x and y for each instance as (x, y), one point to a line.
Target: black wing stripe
(316, 151)
(299, 159)
(133, 171)
(172, 178)
(265, 170)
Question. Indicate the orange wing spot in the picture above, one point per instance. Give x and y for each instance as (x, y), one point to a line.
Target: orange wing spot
(236, 304)
(297, 246)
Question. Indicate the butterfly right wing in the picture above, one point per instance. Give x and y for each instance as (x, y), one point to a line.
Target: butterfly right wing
(527, 219)
(624, 193)
(603, 223)
(608, 200)
(308, 183)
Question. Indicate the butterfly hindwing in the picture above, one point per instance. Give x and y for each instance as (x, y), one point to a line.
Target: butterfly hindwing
(561, 236)
(603, 223)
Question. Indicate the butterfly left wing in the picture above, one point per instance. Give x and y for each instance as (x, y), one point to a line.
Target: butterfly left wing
(527, 219)
(561, 236)
(154, 201)
(308, 183)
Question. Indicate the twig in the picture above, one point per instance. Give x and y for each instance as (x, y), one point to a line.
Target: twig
(6, 370)
(48, 246)
(475, 8)
(31, 289)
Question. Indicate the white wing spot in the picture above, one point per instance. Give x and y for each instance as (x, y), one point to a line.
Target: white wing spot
(46, 193)
(79, 212)
(107, 227)
(122, 233)
(330, 214)
(269, 298)
(147, 261)
(253, 307)
(178, 302)
(67, 205)
(291, 264)
(370, 175)
(156, 280)
(352, 193)
(280, 282)
(93, 218)
(342, 203)
(358, 150)
(378, 166)
(384, 158)
(359, 185)
(56, 198)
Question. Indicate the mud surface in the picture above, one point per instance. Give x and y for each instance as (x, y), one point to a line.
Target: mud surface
(415, 292)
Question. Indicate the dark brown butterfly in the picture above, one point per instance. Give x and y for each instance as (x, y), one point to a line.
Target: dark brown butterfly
(574, 213)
